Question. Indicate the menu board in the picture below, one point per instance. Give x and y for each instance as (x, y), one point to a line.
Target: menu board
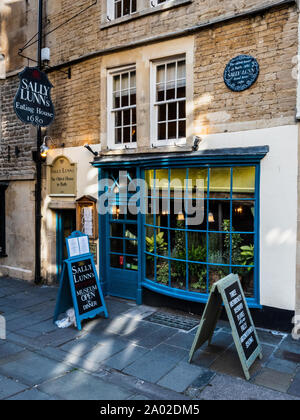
(78, 246)
(244, 327)
(79, 283)
(86, 288)
(229, 292)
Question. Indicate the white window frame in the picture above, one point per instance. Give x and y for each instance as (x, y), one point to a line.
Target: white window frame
(154, 3)
(111, 11)
(154, 142)
(110, 110)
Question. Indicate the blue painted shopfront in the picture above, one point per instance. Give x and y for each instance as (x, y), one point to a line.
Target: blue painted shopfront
(160, 250)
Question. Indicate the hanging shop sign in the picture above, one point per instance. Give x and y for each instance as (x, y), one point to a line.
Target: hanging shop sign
(62, 177)
(229, 291)
(79, 283)
(32, 103)
(241, 73)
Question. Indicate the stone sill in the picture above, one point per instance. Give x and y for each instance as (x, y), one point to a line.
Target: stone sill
(146, 12)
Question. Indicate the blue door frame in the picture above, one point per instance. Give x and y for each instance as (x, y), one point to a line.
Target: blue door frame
(117, 281)
(65, 225)
(220, 158)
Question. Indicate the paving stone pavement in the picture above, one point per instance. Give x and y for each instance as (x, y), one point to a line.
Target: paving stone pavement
(126, 357)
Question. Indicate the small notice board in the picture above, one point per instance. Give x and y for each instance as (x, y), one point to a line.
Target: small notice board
(79, 283)
(229, 291)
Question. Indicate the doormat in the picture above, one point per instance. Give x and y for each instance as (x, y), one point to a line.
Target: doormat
(174, 321)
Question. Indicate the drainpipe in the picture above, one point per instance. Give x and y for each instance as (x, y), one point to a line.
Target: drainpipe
(38, 185)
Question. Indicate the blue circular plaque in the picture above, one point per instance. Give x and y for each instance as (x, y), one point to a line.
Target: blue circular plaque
(241, 73)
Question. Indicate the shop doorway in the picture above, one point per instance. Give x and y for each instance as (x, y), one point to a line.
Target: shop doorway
(65, 225)
(121, 250)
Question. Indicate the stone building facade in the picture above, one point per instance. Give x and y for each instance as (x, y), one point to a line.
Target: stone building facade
(141, 43)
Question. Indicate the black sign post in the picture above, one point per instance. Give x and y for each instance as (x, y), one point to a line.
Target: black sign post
(230, 292)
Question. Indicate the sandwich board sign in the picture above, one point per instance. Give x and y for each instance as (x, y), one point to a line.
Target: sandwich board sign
(229, 292)
(79, 282)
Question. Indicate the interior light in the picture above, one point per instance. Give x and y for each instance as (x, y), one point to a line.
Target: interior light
(211, 218)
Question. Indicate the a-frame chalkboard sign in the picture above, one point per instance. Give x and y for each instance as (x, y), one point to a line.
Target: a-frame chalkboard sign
(230, 292)
(79, 283)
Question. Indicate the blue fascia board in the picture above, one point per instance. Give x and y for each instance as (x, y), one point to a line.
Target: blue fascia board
(228, 156)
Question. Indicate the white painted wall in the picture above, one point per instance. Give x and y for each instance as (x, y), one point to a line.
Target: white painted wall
(278, 208)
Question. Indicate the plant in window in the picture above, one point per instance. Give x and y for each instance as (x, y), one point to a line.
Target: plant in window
(161, 245)
(236, 241)
(247, 256)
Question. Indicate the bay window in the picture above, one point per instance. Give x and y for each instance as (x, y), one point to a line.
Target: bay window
(182, 255)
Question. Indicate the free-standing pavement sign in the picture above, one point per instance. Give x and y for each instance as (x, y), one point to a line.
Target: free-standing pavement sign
(79, 282)
(229, 291)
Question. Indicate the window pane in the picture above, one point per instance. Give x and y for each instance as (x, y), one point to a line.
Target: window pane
(181, 92)
(162, 112)
(116, 229)
(126, 117)
(124, 99)
(133, 135)
(131, 263)
(196, 246)
(116, 100)
(160, 97)
(219, 185)
(116, 83)
(246, 276)
(171, 72)
(162, 271)
(117, 261)
(172, 130)
(219, 249)
(243, 182)
(118, 118)
(182, 129)
(126, 7)
(150, 267)
(161, 131)
(118, 135)
(160, 78)
(182, 113)
(219, 213)
(116, 245)
(197, 278)
(178, 274)
(131, 247)
(133, 6)
(118, 9)
(131, 231)
(170, 91)
(217, 273)
(133, 115)
(132, 79)
(132, 97)
(125, 81)
(172, 111)
(243, 216)
(181, 70)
